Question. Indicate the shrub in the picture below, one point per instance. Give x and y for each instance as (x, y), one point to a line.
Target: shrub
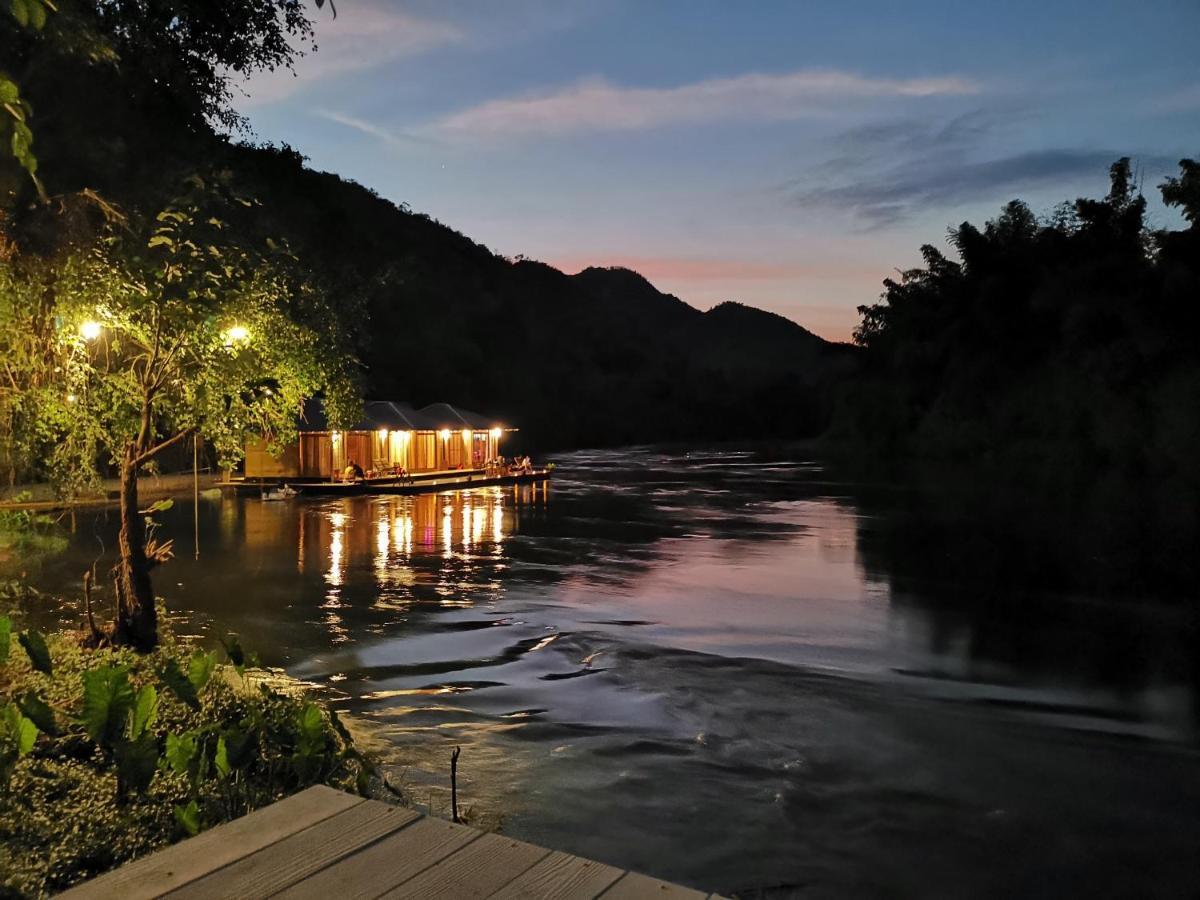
(106, 755)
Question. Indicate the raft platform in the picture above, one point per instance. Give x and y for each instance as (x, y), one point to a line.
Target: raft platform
(322, 843)
(425, 483)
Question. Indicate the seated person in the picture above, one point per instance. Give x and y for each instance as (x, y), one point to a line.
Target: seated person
(353, 472)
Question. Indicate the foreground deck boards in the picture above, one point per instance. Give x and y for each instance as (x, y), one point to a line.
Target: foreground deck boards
(324, 844)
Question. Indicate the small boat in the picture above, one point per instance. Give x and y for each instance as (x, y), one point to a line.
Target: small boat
(283, 492)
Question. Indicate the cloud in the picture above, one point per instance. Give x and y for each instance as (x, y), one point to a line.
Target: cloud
(888, 172)
(362, 37)
(398, 139)
(597, 105)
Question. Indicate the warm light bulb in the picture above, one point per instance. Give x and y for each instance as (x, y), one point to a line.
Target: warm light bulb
(496, 432)
(383, 434)
(444, 434)
(90, 330)
(466, 434)
(237, 334)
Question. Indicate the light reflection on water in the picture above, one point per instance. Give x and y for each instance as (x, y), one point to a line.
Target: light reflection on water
(708, 668)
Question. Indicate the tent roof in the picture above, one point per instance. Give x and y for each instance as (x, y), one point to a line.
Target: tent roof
(395, 416)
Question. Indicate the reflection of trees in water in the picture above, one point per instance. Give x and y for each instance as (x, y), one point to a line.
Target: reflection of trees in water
(1092, 578)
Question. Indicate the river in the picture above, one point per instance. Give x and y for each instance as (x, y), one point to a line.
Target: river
(735, 669)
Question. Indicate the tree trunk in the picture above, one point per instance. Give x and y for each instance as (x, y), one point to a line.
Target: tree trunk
(137, 617)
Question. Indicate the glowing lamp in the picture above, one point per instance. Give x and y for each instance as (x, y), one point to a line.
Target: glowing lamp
(444, 434)
(90, 330)
(466, 434)
(496, 432)
(336, 436)
(237, 334)
(383, 434)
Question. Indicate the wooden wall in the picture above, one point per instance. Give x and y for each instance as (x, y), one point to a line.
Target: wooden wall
(261, 464)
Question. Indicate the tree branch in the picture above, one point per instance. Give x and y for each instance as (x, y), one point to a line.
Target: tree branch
(161, 446)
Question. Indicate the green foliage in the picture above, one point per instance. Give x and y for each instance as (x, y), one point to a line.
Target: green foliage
(5, 637)
(39, 713)
(26, 535)
(107, 701)
(99, 766)
(1069, 338)
(188, 818)
(35, 646)
(180, 685)
(200, 669)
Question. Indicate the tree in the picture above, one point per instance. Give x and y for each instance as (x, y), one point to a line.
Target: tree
(117, 90)
(160, 330)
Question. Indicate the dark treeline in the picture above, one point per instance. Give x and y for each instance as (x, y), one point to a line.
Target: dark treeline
(1070, 341)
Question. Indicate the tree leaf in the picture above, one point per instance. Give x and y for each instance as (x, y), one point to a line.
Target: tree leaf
(5, 637)
(38, 712)
(137, 761)
(145, 711)
(200, 669)
(179, 684)
(239, 747)
(221, 760)
(39, 653)
(107, 701)
(20, 731)
(181, 752)
(20, 12)
(37, 14)
(188, 818)
(233, 649)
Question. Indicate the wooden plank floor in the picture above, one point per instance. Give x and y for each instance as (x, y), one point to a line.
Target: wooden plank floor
(324, 844)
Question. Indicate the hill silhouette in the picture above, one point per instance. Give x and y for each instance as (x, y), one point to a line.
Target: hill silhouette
(599, 357)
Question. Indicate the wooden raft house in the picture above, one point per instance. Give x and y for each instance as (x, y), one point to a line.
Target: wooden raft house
(399, 449)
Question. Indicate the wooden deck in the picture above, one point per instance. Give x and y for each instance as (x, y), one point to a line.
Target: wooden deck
(327, 845)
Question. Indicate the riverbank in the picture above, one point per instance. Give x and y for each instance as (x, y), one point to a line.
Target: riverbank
(41, 497)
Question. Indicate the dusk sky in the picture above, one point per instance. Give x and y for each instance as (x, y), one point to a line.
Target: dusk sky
(787, 155)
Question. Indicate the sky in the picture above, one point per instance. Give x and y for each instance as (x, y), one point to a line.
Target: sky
(788, 155)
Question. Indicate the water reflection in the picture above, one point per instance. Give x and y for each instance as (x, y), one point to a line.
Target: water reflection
(864, 688)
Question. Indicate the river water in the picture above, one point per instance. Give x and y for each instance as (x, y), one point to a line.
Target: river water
(737, 670)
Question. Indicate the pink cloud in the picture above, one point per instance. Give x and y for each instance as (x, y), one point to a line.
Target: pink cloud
(598, 105)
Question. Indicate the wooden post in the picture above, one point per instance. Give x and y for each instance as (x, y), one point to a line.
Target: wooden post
(196, 490)
(454, 784)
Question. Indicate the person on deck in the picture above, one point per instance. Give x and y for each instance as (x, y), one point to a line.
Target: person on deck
(353, 472)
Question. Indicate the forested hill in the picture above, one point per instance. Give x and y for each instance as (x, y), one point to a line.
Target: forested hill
(600, 357)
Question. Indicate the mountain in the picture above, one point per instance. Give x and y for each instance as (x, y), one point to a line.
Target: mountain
(599, 357)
